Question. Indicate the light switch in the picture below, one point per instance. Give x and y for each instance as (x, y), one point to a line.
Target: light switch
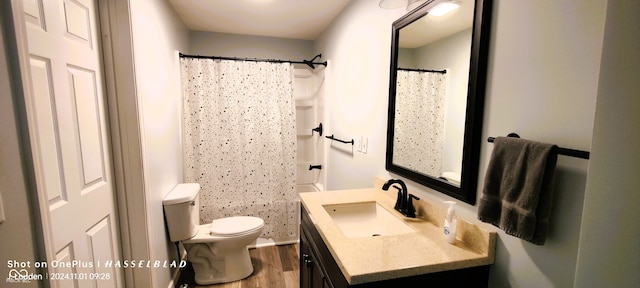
(365, 145)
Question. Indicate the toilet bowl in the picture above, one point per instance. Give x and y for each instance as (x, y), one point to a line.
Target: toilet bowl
(218, 250)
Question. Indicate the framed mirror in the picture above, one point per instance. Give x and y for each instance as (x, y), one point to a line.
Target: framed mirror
(436, 96)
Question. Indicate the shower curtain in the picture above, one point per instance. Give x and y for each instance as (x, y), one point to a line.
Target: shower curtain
(239, 141)
(419, 121)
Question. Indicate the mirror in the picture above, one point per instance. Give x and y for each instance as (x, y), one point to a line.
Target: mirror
(436, 96)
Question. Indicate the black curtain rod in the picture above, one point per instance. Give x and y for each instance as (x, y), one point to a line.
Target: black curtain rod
(309, 63)
(423, 70)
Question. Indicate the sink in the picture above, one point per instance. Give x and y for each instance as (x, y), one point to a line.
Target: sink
(365, 219)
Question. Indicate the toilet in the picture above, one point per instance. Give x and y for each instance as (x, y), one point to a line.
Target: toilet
(218, 250)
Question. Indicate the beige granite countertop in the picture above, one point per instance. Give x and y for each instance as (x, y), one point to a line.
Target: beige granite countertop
(370, 259)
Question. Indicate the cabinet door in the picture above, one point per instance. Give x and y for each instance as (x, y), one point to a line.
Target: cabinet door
(326, 283)
(305, 251)
(317, 278)
(311, 275)
(306, 264)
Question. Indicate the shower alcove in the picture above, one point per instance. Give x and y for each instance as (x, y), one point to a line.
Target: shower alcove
(310, 152)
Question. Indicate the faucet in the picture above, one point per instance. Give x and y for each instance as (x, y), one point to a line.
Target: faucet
(404, 203)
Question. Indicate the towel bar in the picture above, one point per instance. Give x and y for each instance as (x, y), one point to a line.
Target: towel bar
(342, 141)
(559, 150)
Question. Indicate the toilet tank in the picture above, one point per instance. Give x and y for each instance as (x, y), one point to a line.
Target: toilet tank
(181, 211)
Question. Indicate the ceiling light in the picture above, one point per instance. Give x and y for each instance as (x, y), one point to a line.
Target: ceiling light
(443, 8)
(393, 4)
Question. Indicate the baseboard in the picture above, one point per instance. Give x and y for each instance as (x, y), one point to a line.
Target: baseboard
(261, 242)
(258, 244)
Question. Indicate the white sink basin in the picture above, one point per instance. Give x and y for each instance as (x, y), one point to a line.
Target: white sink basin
(365, 219)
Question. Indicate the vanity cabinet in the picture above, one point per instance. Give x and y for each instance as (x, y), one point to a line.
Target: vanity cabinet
(312, 272)
(318, 268)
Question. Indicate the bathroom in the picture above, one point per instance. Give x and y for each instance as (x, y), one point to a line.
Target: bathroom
(533, 65)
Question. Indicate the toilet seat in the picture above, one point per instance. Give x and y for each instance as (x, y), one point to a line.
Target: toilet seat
(235, 226)
(232, 226)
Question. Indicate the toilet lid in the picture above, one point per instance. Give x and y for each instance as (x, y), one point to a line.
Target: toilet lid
(235, 225)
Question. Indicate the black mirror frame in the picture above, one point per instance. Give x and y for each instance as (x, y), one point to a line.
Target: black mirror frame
(474, 111)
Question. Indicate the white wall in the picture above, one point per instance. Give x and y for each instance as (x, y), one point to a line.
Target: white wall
(157, 34)
(17, 230)
(357, 45)
(542, 83)
(609, 254)
(232, 45)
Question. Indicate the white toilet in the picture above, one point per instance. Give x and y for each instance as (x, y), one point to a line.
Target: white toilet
(218, 251)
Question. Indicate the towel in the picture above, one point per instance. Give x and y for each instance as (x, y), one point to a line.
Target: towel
(518, 188)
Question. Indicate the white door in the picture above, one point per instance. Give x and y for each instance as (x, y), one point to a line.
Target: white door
(73, 147)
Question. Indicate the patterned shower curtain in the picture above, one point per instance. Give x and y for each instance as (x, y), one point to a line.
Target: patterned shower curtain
(239, 142)
(419, 121)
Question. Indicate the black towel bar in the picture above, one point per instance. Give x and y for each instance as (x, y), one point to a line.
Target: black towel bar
(343, 141)
(559, 150)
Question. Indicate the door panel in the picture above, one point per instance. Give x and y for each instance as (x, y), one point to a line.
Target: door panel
(48, 141)
(73, 147)
(83, 90)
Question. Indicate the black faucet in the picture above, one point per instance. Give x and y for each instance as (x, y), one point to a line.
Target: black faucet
(404, 203)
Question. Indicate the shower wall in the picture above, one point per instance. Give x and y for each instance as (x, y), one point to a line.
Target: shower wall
(307, 84)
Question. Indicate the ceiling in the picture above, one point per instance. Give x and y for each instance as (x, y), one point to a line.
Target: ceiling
(430, 28)
(296, 19)
(306, 19)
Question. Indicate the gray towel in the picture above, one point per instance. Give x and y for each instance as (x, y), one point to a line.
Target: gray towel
(518, 188)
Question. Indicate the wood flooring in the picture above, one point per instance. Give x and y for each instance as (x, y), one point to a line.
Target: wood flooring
(273, 266)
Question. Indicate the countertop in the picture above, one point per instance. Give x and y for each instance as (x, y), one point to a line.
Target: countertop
(369, 259)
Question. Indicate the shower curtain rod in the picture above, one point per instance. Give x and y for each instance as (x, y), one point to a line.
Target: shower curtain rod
(309, 63)
(423, 70)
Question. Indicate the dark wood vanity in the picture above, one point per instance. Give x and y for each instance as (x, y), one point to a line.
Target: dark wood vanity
(318, 268)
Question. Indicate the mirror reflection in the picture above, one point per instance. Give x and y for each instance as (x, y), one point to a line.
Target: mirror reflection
(431, 93)
(436, 96)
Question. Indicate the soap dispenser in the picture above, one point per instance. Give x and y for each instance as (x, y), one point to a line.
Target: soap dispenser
(450, 223)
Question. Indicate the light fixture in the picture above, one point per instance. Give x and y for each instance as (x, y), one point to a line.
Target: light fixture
(443, 8)
(393, 4)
